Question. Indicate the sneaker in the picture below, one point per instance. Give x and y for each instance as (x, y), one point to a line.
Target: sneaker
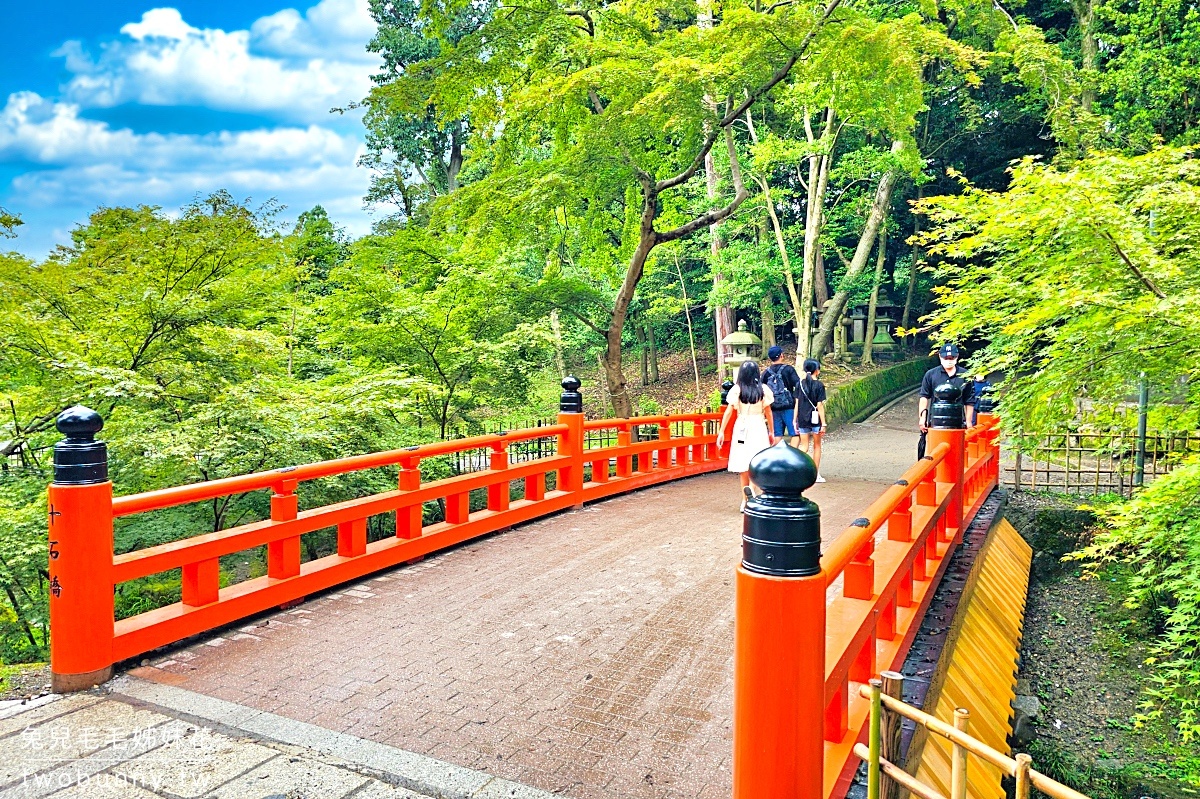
(820, 479)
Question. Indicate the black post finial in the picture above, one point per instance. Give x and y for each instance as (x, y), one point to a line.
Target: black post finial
(781, 530)
(946, 412)
(79, 459)
(571, 401)
(986, 403)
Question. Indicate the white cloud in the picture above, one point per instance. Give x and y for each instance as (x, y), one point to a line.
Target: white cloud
(160, 23)
(286, 66)
(35, 129)
(332, 27)
(86, 163)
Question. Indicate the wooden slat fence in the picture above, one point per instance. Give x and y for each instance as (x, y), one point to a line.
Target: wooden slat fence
(1088, 463)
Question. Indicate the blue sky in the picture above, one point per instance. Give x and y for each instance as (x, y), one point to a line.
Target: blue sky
(121, 102)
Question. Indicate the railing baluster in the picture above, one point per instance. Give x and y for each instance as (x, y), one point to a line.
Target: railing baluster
(535, 487)
(409, 519)
(624, 461)
(458, 508)
(498, 493)
(698, 449)
(283, 555)
(664, 454)
(352, 538)
(201, 582)
(900, 521)
(859, 582)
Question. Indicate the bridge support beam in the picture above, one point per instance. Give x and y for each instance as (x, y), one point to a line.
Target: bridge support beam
(779, 635)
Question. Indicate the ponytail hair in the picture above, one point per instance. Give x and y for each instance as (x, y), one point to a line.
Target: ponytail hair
(811, 365)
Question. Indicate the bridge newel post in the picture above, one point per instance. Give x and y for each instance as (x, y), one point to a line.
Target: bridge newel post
(779, 635)
(81, 555)
(947, 424)
(570, 443)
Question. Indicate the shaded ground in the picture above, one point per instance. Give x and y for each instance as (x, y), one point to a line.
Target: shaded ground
(1084, 665)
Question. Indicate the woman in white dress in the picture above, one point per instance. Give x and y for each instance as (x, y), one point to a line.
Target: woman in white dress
(752, 430)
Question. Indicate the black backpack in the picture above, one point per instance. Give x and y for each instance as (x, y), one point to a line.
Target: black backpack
(784, 398)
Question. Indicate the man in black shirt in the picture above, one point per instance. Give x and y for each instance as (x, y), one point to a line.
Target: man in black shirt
(783, 379)
(947, 372)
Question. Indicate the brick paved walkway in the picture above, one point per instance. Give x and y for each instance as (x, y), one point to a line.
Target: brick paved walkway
(588, 654)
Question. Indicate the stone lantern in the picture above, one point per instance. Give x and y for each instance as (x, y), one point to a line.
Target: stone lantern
(882, 344)
(743, 346)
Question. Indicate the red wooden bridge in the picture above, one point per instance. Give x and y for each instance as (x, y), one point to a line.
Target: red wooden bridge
(588, 652)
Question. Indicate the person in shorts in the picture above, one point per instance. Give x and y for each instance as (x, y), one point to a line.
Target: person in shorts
(810, 412)
(784, 380)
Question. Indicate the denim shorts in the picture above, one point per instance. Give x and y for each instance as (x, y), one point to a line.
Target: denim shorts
(783, 419)
(808, 431)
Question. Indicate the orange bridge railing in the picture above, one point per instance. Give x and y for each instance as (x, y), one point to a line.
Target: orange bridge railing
(803, 646)
(86, 641)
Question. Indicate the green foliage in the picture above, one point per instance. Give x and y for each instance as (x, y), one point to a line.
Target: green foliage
(213, 345)
(1157, 533)
(8, 223)
(24, 620)
(405, 300)
(1152, 75)
(1079, 278)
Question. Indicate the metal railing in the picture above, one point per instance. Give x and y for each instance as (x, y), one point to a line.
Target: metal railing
(1088, 462)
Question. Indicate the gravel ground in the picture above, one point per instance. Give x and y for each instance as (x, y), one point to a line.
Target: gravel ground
(24, 682)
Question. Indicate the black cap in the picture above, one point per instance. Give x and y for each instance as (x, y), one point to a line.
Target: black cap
(948, 351)
(775, 353)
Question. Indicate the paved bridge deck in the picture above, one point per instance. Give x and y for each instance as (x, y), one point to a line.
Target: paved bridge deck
(588, 654)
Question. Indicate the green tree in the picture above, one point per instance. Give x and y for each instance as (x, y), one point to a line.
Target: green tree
(1079, 278)
(600, 117)
(405, 301)
(8, 223)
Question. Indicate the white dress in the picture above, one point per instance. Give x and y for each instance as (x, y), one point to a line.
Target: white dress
(750, 435)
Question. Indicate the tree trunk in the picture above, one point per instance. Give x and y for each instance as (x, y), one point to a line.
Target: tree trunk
(880, 259)
(866, 242)
(768, 323)
(1089, 50)
(559, 360)
(648, 238)
(723, 323)
(916, 259)
(605, 397)
(653, 353)
(779, 243)
(687, 312)
(821, 282)
(639, 333)
(818, 183)
(783, 255)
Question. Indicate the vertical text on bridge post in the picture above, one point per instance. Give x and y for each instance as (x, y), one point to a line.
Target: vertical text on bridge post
(80, 555)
